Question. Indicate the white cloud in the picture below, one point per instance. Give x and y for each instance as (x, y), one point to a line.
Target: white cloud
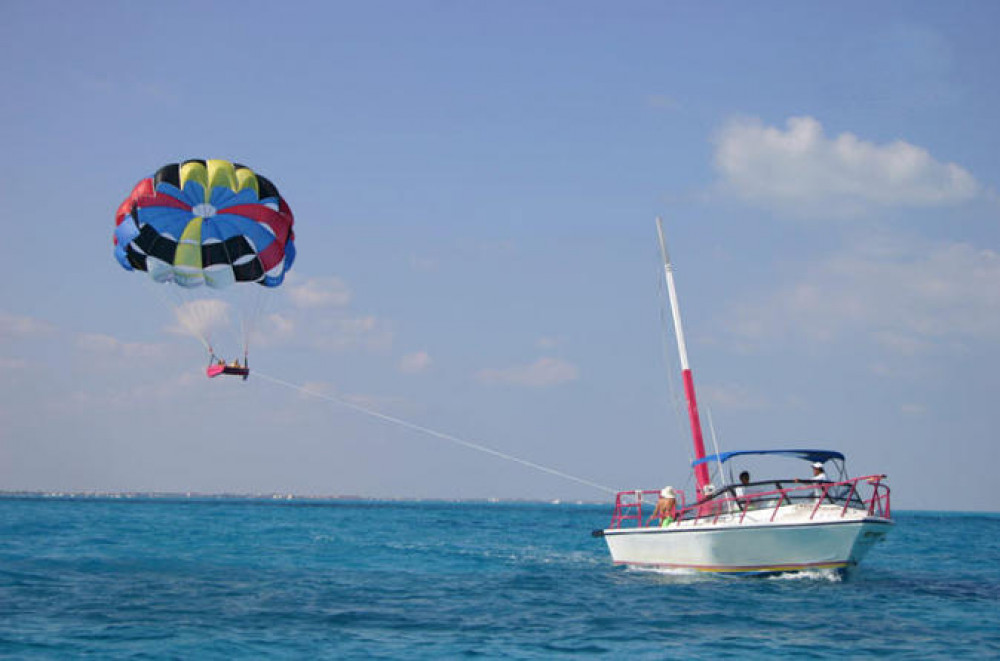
(105, 344)
(415, 362)
(327, 391)
(901, 343)
(322, 319)
(376, 403)
(168, 390)
(343, 333)
(543, 372)
(11, 364)
(281, 324)
(201, 317)
(734, 397)
(662, 102)
(271, 330)
(323, 292)
(801, 170)
(908, 298)
(548, 342)
(16, 326)
(423, 264)
(317, 389)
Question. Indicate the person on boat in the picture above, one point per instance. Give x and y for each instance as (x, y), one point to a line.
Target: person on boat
(818, 476)
(666, 507)
(743, 490)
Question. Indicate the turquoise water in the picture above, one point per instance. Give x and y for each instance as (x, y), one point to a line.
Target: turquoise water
(240, 578)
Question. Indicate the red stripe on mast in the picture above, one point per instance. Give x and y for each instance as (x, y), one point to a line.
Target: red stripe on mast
(701, 470)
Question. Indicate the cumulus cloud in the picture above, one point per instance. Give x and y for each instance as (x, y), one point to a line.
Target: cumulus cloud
(423, 264)
(662, 102)
(322, 292)
(548, 342)
(735, 397)
(341, 333)
(803, 171)
(415, 362)
(12, 364)
(108, 345)
(321, 318)
(375, 402)
(906, 297)
(118, 399)
(542, 373)
(16, 327)
(201, 317)
(271, 330)
(317, 389)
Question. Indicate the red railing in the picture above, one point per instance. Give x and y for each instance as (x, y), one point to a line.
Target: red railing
(629, 507)
(867, 493)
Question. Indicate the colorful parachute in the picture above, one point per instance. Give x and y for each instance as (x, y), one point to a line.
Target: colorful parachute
(211, 223)
(206, 222)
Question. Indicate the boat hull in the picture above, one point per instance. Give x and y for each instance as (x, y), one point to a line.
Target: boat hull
(750, 546)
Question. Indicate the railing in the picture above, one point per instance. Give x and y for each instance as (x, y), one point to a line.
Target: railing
(869, 494)
(629, 507)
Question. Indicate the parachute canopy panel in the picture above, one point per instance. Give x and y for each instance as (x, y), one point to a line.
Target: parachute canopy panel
(206, 222)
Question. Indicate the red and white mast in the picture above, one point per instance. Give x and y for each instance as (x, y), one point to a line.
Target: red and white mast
(700, 471)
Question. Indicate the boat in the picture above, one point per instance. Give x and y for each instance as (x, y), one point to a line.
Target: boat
(791, 522)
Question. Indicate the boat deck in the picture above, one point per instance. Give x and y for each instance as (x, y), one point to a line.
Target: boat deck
(763, 503)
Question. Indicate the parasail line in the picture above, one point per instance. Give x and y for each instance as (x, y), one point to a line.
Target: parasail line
(173, 308)
(436, 434)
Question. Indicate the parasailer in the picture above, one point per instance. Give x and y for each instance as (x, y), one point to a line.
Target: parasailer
(217, 366)
(207, 224)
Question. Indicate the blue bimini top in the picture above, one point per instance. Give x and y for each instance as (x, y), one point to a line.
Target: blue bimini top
(821, 456)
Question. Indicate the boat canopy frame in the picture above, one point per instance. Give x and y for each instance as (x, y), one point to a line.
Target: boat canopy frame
(805, 454)
(821, 456)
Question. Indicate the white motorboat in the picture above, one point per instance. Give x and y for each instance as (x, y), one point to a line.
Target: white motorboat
(782, 524)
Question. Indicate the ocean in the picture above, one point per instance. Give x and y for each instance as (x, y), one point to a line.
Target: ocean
(235, 578)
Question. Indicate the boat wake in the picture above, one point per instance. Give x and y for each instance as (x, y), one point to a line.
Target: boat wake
(827, 575)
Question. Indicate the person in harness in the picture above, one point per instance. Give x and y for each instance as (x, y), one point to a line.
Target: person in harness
(218, 366)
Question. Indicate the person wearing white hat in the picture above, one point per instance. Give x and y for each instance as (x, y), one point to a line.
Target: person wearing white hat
(819, 475)
(666, 507)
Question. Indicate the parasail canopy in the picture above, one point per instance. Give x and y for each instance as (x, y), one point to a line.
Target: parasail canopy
(206, 222)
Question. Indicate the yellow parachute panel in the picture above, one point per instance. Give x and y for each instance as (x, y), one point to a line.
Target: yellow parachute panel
(195, 171)
(221, 174)
(247, 179)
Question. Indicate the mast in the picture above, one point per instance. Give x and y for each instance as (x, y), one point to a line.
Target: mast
(700, 471)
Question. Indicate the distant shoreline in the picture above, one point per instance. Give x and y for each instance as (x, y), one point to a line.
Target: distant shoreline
(275, 497)
(290, 498)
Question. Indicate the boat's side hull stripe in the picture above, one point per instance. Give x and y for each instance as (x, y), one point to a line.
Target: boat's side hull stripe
(719, 569)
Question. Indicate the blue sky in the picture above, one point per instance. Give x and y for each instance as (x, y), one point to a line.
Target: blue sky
(474, 186)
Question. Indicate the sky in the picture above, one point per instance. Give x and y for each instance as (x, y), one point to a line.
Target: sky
(475, 187)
